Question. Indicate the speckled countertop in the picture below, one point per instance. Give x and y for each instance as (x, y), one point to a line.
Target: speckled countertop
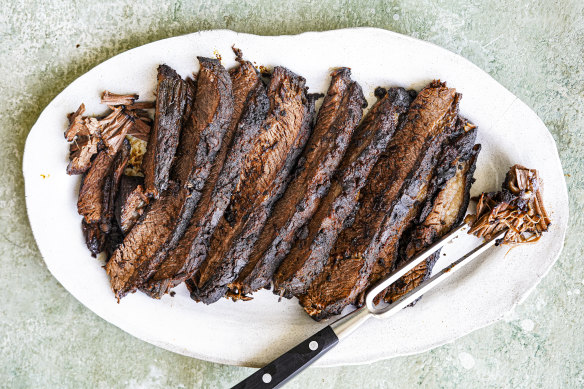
(48, 339)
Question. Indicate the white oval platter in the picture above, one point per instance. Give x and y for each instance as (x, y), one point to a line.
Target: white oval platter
(253, 333)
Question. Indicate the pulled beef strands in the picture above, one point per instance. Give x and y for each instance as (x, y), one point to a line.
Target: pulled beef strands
(444, 209)
(386, 205)
(249, 112)
(311, 249)
(165, 220)
(517, 207)
(171, 103)
(338, 116)
(264, 176)
(130, 202)
(97, 194)
(86, 133)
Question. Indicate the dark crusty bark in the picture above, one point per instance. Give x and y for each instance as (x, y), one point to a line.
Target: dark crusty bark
(250, 110)
(456, 144)
(264, 176)
(112, 184)
(130, 202)
(171, 102)
(442, 211)
(311, 249)
(90, 200)
(338, 116)
(387, 202)
(97, 196)
(130, 261)
(201, 138)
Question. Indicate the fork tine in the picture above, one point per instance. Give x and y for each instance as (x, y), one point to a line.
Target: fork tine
(435, 280)
(381, 286)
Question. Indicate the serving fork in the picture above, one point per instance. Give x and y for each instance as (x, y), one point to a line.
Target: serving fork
(288, 365)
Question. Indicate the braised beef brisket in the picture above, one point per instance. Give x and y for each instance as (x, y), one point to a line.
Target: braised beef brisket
(338, 116)
(311, 249)
(443, 211)
(130, 202)
(264, 176)
(172, 99)
(250, 110)
(387, 202)
(165, 220)
(97, 194)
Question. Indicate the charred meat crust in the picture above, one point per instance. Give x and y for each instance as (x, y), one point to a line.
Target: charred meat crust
(171, 102)
(165, 220)
(438, 166)
(314, 242)
(337, 118)
(130, 202)
(97, 195)
(443, 211)
(386, 207)
(264, 176)
(250, 110)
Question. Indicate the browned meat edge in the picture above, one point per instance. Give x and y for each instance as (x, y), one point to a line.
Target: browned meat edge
(97, 195)
(165, 221)
(130, 202)
(311, 249)
(456, 144)
(388, 201)
(441, 213)
(338, 116)
(250, 110)
(171, 102)
(264, 177)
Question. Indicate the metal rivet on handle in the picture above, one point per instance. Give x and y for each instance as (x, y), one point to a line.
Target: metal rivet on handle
(267, 378)
(313, 345)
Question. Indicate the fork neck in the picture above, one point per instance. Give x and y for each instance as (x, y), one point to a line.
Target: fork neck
(349, 323)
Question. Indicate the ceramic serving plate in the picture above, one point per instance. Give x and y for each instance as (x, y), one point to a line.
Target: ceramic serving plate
(253, 333)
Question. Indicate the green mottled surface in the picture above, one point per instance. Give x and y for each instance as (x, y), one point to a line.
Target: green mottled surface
(48, 339)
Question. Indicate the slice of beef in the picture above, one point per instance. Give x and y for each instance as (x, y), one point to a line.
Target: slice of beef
(94, 238)
(387, 203)
(263, 178)
(311, 248)
(111, 186)
(201, 137)
(338, 116)
(130, 202)
(172, 99)
(129, 263)
(90, 200)
(97, 195)
(456, 145)
(250, 109)
(442, 212)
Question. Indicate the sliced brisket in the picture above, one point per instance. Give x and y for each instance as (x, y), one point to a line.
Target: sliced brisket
(310, 251)
(263, 178)
(250, 109)
(97, 196)
(338, 116)
(443, 210)
(165, 220)
(130, 202)
(387, 202)
(172, 99)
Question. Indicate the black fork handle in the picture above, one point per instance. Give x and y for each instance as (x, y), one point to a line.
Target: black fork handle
(288, 365)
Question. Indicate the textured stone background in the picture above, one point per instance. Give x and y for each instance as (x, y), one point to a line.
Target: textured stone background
(47, 339)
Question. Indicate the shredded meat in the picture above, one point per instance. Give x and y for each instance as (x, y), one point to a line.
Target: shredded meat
(517, 207)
